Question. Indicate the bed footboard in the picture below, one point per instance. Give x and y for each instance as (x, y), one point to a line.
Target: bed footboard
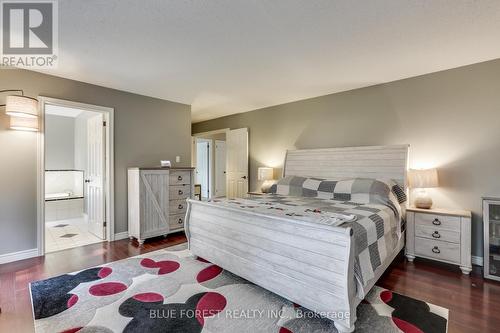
(310, 265)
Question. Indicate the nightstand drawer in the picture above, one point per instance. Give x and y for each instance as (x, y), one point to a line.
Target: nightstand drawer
(437, 249)
(437, 233)
(438, 221)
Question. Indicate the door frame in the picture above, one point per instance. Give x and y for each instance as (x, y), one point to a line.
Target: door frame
(209, 164)
(194, 148)
(216, 176)
(109, 173)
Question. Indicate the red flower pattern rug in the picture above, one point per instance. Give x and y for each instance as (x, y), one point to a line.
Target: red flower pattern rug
(173, 291)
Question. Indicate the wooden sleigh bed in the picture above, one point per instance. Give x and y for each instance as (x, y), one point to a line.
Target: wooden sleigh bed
(311, 264)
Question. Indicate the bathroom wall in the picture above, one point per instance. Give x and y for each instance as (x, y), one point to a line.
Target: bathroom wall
(81, 141)
(59, 142)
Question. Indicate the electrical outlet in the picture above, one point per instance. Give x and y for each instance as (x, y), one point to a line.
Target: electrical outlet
(177, 159)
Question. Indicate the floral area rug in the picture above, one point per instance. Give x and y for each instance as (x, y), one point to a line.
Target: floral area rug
(173, 291)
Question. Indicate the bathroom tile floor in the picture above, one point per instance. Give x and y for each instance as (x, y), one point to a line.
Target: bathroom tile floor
(66, 234)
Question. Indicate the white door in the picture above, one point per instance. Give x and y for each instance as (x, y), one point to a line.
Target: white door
(202, 166)
(237, 163)
(220, 168)
(95, 176)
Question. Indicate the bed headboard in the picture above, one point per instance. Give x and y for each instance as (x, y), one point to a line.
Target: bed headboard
(383, 162)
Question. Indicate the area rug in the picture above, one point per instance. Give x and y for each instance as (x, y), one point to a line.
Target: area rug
(173, 291)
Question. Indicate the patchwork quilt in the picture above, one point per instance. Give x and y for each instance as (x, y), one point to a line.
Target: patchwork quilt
(370, 207)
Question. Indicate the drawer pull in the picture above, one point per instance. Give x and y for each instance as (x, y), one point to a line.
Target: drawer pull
(179, 178)
(180, 221)
(180, 206)
(436, 234)
(435, 249)
(436, 221)
(180, 192)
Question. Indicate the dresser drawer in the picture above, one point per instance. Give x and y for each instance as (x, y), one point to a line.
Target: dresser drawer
(179, 177)
(176, 221)
(437, 233)
(177, 207)
(437, 249)
(438, 221)
(179, 192)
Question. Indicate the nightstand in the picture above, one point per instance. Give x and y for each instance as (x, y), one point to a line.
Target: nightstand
(439, 234)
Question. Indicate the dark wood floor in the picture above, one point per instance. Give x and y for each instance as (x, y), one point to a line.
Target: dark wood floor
(474, 303)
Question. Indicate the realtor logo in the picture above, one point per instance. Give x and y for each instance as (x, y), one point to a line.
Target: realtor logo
(29, 34)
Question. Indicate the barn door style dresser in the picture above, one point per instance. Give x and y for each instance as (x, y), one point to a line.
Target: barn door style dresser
(157, 200)
(439, 234)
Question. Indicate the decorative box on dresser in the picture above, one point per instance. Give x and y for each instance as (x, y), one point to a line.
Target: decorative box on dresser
(439, 234)
(157, 200)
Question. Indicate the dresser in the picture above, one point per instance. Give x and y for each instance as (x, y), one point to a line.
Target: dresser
(157, 200)
(439, 234)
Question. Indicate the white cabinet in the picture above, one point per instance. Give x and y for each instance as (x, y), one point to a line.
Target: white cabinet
(438, 234)
(491, 217)
(157, 201)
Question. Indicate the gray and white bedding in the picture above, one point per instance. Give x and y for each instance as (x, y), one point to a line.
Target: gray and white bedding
(372, 208)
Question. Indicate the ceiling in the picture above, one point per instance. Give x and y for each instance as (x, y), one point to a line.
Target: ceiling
(231, 56)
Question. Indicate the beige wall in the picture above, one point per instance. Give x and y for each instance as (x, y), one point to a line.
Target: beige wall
(451, 119)
(146, 131)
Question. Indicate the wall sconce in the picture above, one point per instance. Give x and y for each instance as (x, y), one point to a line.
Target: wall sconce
(24, 124)
(267, 175)
(23, 111)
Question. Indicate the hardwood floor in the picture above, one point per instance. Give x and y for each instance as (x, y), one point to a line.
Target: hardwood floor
(474, 303)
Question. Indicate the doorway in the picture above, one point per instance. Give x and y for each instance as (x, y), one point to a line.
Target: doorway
(220, 159)
(75, 179)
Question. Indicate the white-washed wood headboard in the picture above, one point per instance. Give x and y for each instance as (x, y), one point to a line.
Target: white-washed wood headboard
(383, 162)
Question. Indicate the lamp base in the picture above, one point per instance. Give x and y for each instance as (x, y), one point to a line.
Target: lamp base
(423, 200)
(266, 186)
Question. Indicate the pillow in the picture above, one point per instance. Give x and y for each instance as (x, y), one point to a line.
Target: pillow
(360, 190)
(366, 190)
(304, 187)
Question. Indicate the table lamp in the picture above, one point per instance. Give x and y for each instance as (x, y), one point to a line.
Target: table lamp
(422, 179)
(267, 175)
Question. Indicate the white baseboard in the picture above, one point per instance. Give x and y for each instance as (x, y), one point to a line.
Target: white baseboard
(477, 260)
(121, 235)
(15, 256)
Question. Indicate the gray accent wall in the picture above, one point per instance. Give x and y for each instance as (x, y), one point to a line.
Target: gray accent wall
(451, 119)
(146, 131)
(59, 142)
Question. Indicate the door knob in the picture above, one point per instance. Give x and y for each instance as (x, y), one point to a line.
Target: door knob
(244, 177)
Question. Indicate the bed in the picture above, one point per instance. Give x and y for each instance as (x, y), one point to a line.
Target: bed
(323, 238)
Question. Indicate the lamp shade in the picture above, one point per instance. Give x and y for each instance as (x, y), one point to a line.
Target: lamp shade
(265, 173)
(21, 106)
(423, 178)
(24, 124)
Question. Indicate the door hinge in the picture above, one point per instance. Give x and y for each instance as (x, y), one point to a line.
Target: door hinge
(104, 224)
(104, 123)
